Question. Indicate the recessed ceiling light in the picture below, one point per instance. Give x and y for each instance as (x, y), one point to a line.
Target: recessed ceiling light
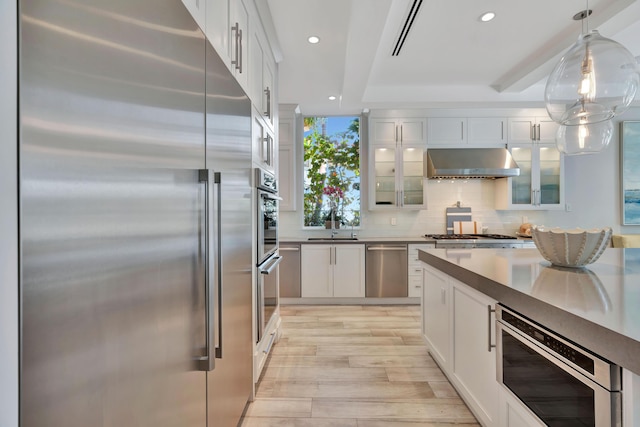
(314, 39)
(332, 98)
(487, 16)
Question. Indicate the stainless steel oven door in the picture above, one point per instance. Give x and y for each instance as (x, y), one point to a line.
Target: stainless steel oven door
(556, 392)
(267, 293)
(267, 224)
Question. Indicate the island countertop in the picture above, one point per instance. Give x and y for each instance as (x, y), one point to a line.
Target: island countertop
(598, 306)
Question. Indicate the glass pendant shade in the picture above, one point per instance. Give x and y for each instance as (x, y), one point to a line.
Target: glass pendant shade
(584, 138)
(595, 80)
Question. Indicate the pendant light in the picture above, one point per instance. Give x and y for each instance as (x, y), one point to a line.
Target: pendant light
(594, 81)
(584, 138)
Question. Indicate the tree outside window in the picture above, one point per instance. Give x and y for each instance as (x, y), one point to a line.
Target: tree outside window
(332, 170)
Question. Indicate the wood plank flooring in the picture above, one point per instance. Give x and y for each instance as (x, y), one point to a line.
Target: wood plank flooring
(353, 366)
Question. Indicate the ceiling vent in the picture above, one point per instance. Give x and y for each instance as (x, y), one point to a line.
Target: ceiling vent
(406, 27)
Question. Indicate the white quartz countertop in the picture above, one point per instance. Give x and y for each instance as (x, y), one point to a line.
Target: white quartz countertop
(597, 307)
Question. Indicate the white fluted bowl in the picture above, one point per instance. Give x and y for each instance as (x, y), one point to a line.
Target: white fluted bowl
(571, 248)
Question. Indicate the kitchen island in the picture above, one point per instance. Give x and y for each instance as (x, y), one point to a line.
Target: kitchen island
(596, 307)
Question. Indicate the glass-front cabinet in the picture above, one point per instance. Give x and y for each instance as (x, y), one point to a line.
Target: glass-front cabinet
(540, 183)
(397, 179)
(396, 165)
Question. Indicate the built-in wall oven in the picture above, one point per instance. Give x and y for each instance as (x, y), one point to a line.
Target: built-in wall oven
(267, 249)
(562, 383)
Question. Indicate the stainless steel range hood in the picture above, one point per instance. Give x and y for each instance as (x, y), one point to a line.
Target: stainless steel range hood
(469, 163)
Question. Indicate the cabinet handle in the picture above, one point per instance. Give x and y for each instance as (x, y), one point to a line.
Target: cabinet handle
(532, 132)
(538, 132)
(397, 132)
(502, 130)
(461, 131)
(236, 61)
(335, 256)
(443, 296)
(267, 92)
(240, 57)
(489, 311)
(401, 134)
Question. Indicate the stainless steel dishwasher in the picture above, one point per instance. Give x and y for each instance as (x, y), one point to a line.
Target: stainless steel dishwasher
(386, 271)
(290, 270)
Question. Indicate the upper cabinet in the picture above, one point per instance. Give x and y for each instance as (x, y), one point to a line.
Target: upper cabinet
(398, 131)
(540, 185)
(447, 132)
(227, 28)
(197, 9)
(287, 157)
(262, 76)
(264, 143)
(396, 164)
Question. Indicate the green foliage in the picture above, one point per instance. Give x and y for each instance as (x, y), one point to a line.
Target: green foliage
(331, 161)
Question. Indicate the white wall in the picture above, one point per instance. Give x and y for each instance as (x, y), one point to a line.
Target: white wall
(592, 188)
(8, 216)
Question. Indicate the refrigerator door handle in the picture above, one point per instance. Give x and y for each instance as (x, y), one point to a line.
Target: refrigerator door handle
(217, 221)
(207, 362)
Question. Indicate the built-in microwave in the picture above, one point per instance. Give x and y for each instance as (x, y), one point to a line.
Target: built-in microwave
(561, 383)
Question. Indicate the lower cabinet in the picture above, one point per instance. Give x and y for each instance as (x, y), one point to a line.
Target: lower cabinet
(458, 326)
(415, 269)
(474, 353)
(436, 323)
(330, 270)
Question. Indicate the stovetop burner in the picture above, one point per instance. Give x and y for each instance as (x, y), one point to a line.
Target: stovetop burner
(469, 236)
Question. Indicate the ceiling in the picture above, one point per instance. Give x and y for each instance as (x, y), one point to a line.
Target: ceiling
(450, 59)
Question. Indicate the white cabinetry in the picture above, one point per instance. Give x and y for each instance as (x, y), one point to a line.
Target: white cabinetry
(197, 9)
(415, 269)
(330, 270)
(287, 160)
(540, 185)
(436, 316)
(447, 131)
(263, 145)
(514, 413)
(396, 164)
(487, 131)
(458, 325)
(474, 354)
(262, 75)
(227, 28)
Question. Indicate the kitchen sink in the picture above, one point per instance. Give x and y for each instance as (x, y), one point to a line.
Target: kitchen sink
(332, 238)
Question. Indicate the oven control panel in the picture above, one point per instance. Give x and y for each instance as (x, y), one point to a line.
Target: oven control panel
(558, 347)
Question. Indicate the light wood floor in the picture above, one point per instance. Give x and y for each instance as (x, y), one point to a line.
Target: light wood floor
(353, 366)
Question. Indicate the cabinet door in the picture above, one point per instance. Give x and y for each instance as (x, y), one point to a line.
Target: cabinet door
(383, 131)
(522, 186)
(521, 130)
(256, 90)
(486, 132)
(435, 315)
(547, 130)
(240, 41)
(383, 180)
(286, 177)
(550, 176)
(316, 270)
(349, 271)
(474, 358)
(218, 30)
(412, 181)
(412, 131)
(197, 9)
(446, 131)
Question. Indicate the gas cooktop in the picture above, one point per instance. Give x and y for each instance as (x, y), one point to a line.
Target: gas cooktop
(456, 241)
(469, 236)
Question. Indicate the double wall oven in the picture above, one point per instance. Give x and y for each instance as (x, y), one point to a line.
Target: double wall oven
(560, 382)
(267, 245)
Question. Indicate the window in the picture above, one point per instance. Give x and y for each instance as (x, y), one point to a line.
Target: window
(331, 170)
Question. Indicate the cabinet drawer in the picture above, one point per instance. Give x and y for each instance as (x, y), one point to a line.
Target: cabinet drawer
(415, 286)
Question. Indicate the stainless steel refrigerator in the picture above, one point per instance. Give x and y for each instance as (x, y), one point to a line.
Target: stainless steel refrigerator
(135, 219)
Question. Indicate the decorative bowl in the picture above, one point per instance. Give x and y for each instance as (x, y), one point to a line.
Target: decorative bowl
(571, 248)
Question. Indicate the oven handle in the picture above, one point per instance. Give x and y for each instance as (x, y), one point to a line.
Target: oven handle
(273, 263)
(266, 195)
